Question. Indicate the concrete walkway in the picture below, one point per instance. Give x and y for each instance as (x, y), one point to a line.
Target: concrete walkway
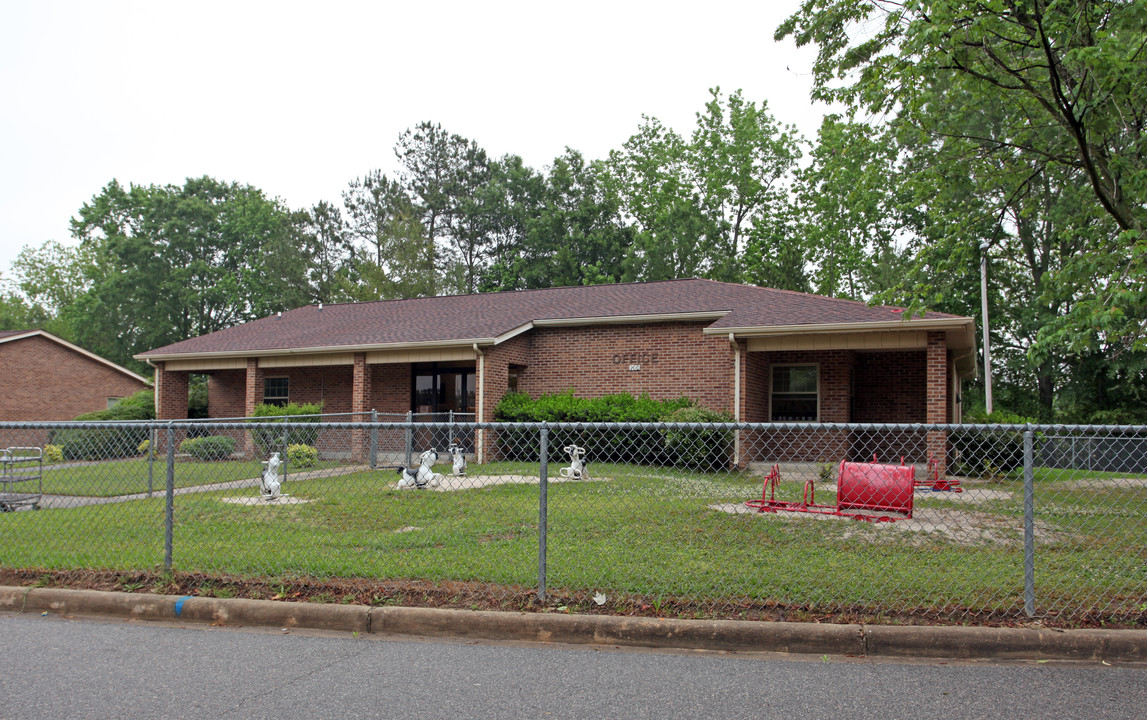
(74, 501)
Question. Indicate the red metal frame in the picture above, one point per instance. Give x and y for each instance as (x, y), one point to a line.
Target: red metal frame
(769, 503)
(935, 483)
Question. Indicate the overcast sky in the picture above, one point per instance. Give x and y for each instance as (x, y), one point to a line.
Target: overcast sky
(299, 98)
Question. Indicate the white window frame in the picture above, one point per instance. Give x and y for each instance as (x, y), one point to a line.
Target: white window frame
(772, 378)
(285, 398)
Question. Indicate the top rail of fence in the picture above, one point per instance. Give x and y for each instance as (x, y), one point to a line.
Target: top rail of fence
(439, 420)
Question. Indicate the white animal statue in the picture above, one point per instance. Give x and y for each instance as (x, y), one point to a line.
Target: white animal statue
(578, 467)
(272, 480)
(455, 451)
(423, 475)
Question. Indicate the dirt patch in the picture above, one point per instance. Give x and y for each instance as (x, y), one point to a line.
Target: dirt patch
(260, 501)
(452, 483)
(926, 524)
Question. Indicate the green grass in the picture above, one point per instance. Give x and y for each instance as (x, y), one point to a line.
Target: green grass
(125, 477)
(641, 532)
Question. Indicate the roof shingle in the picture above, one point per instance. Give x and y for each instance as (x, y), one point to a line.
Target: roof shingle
(490, 315)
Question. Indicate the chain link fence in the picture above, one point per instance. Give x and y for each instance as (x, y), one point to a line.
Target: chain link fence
(795, 520)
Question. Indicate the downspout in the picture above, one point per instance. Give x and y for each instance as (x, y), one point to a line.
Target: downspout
(479, 435)
(736, 398)
(958, 405)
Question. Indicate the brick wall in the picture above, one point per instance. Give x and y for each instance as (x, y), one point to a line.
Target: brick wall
(44, 380)
(226, 390)
(676, 359)
(390, 387)
(890, 387)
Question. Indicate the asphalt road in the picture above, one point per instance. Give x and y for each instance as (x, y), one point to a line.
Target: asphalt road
(54, 667)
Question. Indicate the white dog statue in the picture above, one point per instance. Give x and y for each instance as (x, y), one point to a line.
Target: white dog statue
(578, 467)
(423, 475)
(455, 451)
(272, 479)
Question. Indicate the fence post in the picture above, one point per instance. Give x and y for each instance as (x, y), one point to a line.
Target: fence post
(1029, 523)
(151, 438)
(409, 438)
(543, 510)
(169, 502)
(373, 439)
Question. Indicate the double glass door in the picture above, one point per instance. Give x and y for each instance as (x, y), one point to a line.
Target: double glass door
(439, 390)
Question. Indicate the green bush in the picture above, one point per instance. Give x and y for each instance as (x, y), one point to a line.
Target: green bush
(646, 446)
(140, 406)
(302, 456)
(53, 455)
(144, 447)
(271, 440)
(988, 453)
(701, 449)
(212, 447)
(99, 443)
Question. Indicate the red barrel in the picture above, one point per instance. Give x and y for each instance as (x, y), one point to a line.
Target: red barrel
(868, 486)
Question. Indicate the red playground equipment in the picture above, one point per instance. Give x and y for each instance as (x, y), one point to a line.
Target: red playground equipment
(860, 486)
(934, 482)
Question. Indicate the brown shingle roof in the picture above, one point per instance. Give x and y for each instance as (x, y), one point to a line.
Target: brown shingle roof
(489, 315)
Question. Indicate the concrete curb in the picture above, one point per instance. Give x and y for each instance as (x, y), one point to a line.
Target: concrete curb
(821, 639)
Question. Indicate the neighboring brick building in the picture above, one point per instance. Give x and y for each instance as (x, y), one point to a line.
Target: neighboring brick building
(759, 354)
(43, 377)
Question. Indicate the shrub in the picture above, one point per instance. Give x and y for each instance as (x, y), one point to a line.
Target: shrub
(212, 447)
(99, 443)
(301, 456)
(986, 453)
(144, 447)
(140, 406)
(703, 449)
(270, 440)
(646, 446)
(53, 455)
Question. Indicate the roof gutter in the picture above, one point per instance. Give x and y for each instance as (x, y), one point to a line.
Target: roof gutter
(430, 345)
(823, 328)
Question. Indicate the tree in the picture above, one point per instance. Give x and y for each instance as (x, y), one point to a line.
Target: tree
(394, 257)
(695, 203)
(845, 208)
(177, 262)
(324, 239)
(447, 178)
(559, 228)
(1064, 87)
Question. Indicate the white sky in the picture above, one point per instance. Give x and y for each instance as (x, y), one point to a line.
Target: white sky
(298, 98)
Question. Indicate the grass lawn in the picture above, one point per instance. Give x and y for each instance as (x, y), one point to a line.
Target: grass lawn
(639, 533)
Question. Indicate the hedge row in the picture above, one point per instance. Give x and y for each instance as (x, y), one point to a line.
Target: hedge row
(704, 449)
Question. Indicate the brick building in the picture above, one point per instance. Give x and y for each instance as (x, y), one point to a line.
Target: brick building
(759, 354)
(46, 378)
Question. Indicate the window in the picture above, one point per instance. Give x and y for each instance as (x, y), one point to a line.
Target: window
(276, 391)
(439, 388)
(794, 393)
(512, 379)
(113, 401)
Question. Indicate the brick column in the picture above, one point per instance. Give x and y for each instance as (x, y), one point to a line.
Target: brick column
(170, 393)
(252, 397)
(359, 403)
(254, 394)
(936, 388)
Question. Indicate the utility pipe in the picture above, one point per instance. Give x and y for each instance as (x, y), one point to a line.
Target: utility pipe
(987, 342)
